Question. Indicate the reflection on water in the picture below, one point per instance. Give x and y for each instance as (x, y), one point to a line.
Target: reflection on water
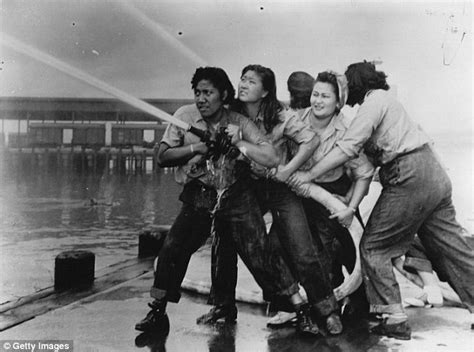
(45, 209)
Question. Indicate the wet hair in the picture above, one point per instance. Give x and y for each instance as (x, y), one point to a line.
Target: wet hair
(218, 78)
(270, 107)
(362, 77)
(300, 85)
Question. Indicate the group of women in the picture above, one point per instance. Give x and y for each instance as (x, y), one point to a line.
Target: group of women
(286, 153)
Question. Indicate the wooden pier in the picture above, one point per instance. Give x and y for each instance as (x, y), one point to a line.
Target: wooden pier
(104, 159)
(90, 134)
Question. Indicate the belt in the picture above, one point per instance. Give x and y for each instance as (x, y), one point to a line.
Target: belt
(400, 155)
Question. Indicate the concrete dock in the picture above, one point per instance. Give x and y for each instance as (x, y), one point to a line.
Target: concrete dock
(103, 317)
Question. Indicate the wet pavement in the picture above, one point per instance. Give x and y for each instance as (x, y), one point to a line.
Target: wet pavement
(104, 321)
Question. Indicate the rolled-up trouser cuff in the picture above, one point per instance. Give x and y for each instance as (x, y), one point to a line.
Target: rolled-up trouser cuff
(290, 291)
(417, 264)
(326, 306)
(158, 293)
(387, 308)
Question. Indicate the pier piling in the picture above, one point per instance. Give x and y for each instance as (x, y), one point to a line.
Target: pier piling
(74, 269)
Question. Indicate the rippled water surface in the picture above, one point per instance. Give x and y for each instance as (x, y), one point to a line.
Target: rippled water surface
(46, 209)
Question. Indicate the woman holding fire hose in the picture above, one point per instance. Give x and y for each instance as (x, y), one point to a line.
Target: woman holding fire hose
(350, 182)
(257, 100)
(416, 198)
(236, 216)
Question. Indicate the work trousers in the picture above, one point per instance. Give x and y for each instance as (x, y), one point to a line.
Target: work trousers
(239, 220)
(334, 238)
(416, 259)
(289, 237)
(416, 198)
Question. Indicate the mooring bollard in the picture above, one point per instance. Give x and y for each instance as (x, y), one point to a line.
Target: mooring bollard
(151, 241)
(74, 269)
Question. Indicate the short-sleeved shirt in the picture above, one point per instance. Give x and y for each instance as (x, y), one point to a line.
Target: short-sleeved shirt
(291, 128)
(383, 129)
(360, 167)
(197, 167)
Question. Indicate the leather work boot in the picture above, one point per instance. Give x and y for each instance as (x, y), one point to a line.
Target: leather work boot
(226, 311)
(305, 323)
(156, 320)
(400, 331)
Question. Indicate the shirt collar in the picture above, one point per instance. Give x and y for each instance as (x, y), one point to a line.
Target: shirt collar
(334, 126)
(224, 121)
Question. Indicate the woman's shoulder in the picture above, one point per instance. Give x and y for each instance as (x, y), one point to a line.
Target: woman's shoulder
(237, 118)
(301, 114)
(342, 121)
(292, 117)
(380, 95)
(188, 113)
(381, 101)
(287, 114)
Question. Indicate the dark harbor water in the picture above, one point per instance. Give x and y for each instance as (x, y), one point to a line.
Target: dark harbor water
(46, 209)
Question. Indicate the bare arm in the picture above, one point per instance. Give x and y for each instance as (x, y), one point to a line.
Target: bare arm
(305, 151)
(175, 156)
(359, 191)
(263, 154)
(336, 157)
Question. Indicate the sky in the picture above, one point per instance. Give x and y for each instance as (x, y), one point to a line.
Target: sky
(150, 49)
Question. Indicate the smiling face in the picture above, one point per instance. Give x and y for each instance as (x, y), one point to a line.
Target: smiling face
(207, 98)
(251, 88)
(323, 100)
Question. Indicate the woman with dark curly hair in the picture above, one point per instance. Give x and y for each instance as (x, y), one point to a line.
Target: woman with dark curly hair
(236, 214)
(416, 198)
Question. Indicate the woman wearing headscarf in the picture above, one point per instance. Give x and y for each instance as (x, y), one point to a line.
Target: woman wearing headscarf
(416, 198)
(350, 182)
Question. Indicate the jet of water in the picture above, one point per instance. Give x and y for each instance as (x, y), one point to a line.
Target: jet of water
(159, 30)
(47, 59)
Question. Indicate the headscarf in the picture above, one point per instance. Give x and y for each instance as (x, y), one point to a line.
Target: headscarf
(342, 87)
